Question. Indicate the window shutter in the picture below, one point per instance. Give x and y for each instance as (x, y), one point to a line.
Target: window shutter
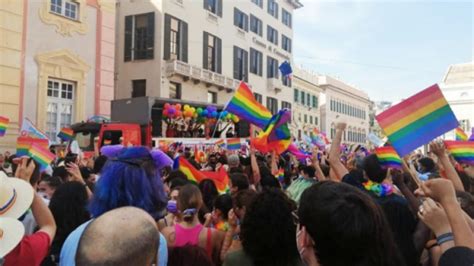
(206, 4)
(219, 8)
(275, 69)
(127, 55)
(246, 22)
(236, 16)
(205, 41)
(260, 63)
(184, 41)
(167, 37)
(260, 27)
(218, 55)
(269, 67)
(150, 40)
(236, 65)
(246, 66)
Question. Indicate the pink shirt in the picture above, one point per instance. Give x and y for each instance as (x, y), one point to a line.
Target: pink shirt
(187, 235)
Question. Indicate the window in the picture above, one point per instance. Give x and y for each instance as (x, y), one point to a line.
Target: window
(60, 106)
(211, 97)
(286, 43)
(258, 97)
(311, 119)
(138, 88)
(315, 101)
(256, 25)
(273, 8)
(175, 39)
(212, 53)
(316, 120)
(272, 35)
(256, 62)
(272, 67)
(241, 19)
(286, 17)
(258, 3)
(66, 8)
(296, 95)
(308, 99)
(214, 6)
(286, 105)
(302, 97)
(272, 105)
(240, 64)
(306, 118)
(175, 90)
(139, 37)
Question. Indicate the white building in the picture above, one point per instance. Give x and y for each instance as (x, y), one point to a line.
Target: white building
(306, 101)
(344, 103)
(458, 88)
(198, 51)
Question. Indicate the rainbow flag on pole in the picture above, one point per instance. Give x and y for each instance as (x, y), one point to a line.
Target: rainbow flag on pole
(3, 125)
(244, 105)
(388, 157)
(66, 134)
(220, 143)
(460, 134)
(233, 144)
(220, 178)
(276, 136)
(462, 151)
(23, 145)
(41, 155)
(417, 120)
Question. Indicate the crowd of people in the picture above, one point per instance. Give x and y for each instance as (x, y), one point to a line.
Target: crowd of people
(130, 206)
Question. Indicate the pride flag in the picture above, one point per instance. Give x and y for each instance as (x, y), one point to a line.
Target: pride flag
(462, 151)
(23, 145)
(300, 155)
(66, 134)
(417, 120)
(220, 143)
(233, 144)
(471, 138)
(244, 105)
(220, 178)
(41, 155)
(388, 157)
(276, 136)
(280, 175)
(3, 125)
(460, 134)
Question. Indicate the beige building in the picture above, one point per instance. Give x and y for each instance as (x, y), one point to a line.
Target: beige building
(56, 63)
(306, 101)
(344, 103)
(198, 51)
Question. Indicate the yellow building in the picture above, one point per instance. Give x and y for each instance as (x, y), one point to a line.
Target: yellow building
(56, 63)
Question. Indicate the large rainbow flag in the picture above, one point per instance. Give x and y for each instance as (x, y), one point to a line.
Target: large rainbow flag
(462, 151)
(276, 136)
(460, 134)
(388, 157)
(417, 120)
(3, 125)
(220, 178)
(244, 105)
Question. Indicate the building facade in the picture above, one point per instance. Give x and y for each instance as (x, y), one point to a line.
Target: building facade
(306, 101)
(458, 89)
(198, 51)
(57, 62)
(344, 103)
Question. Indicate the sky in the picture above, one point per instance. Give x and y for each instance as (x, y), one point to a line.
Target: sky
(389, 49)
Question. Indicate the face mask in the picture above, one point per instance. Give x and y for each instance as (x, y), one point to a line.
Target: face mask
(43, 195)
(171, 207)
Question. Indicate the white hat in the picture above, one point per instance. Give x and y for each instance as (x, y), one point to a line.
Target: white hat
(16, 196)
(11, 233)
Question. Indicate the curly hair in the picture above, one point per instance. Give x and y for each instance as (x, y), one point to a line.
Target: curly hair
(130, 179)
(268, 230)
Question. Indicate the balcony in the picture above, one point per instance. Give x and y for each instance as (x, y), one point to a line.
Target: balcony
(275, 84)
(197, 75)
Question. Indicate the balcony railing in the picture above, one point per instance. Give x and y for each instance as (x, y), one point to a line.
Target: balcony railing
(275, 84)
(197, 74)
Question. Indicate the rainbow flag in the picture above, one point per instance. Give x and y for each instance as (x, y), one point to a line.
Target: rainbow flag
(300, 155)
(417, 120)
(460, 134)
(276, 136)
(244, 105)
(66, 134)
(220, 143)
(471, 138)
(41, 155)
(233, 144)
(23, 145)
(462, 151)
(220, 178)
(3, 125)
(388, 157)
(280, 175)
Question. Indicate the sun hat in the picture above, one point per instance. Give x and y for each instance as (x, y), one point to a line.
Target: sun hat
(11, 233)
(16, 196)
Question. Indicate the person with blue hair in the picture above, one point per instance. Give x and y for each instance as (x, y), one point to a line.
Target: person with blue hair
(131, 177)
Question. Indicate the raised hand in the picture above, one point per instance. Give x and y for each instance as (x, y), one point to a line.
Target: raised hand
(25, 170)
(434, 216)
(439, 189)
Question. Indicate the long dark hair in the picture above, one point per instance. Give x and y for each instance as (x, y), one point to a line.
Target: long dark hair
(347, 226)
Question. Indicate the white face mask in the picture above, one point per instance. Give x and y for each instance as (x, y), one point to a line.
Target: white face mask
(43, 195)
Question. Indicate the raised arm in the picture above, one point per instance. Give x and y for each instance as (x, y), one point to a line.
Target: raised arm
(334, 152)
(319, 172)
(274, 166)
(254, 165)
(437, 147)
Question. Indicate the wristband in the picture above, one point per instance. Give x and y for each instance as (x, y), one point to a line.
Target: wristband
(444, 238)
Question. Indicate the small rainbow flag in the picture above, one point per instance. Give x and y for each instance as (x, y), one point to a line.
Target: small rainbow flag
(280, 175)
(233, 144)
(471, 138)
(41, 155)
(220, 179)
(3, 125)
(276, 136)
(462, 151)
(244, 105)
(66, 134)
(417, 120)
(220, 143)
(23, 145)
(460, 134)
(388, 157)
(300, 155)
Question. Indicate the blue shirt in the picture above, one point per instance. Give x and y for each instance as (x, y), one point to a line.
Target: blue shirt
(69, 249)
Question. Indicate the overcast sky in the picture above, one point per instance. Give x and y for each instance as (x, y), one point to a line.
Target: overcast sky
(390, 49)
